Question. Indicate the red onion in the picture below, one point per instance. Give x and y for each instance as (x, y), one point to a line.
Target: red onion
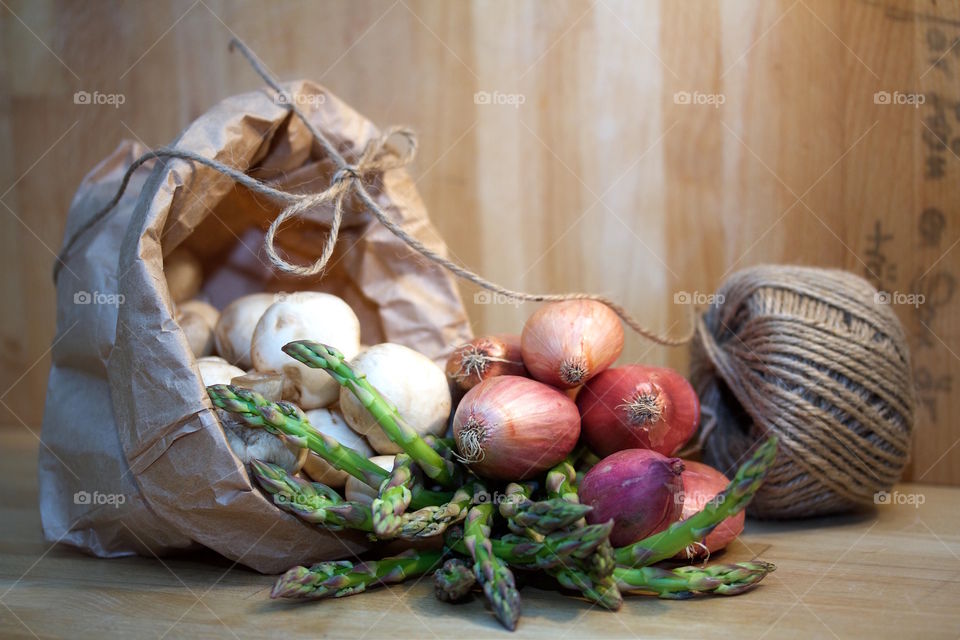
(639, 489)
(638, 407)
(701, 484)
(566, 343)
(483, 358)
(512, 428)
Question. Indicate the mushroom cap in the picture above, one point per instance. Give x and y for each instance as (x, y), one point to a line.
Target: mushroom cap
(209, 312)
(214, 370)
(362, 492)
(306, 315)
(331, 423)
(184, 274)
(269, 385)
(233, 333)
(409, 380)
(197, 330)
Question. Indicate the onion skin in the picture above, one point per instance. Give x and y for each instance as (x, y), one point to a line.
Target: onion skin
(638, 407)
(513, 428)
(701, 483)
(566, 343)
(639, 489)
(483, 358)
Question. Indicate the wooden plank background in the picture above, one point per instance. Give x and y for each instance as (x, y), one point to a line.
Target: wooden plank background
(584, 172)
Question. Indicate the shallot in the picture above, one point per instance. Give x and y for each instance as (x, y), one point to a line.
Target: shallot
(638, 407)
(483, 358)
(701, 484)
(564, 344)
(512, 428)
(639, 489)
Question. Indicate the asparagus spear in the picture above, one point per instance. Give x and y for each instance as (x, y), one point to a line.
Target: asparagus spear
(562, 481)
(557, 549)
(686, 582)
(453, 580)
(600, 590)
(592, 575)
(554, 550)
(287, 420)
(434, 520)
(320, 356)
(541, 517)
(492, 572)
(730, 501)
(394, 498)
(311, 501)
(345, 578)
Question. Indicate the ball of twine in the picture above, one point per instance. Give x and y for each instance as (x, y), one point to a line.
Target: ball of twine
(812, 356)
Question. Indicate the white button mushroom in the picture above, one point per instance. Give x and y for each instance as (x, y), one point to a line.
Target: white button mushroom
(408, 380)
(269, 385)
(362, 492)
(234, 331)
(184, 274)
(205, 309)
(332, 424)
(214, 370)
(306, 315)
(197, 320)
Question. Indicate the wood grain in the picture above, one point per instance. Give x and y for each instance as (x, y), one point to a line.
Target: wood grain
(598, 181)
(888, 574)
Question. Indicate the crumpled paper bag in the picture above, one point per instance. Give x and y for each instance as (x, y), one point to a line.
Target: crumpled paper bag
(134, 459)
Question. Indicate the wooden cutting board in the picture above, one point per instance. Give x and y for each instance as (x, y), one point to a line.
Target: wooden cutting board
(887, 574)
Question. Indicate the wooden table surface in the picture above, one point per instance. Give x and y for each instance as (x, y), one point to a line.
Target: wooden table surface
(892, 573)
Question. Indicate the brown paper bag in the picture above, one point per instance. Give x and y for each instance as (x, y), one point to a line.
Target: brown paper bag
(134, 459)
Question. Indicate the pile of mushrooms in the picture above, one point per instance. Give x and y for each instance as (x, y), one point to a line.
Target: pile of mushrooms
(241, 345)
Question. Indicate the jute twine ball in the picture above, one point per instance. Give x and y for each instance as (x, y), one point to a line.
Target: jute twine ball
(811, 356)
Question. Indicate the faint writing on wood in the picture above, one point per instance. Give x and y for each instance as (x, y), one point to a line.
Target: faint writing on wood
(930, 386)
(878, 268)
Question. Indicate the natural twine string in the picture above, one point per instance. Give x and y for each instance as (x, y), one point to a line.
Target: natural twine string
(377, 157)
(809, 355)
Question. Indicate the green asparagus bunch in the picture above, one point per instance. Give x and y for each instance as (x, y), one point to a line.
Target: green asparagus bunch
(345, 578)
(547, 526)
(730, 501)
(320, 356)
